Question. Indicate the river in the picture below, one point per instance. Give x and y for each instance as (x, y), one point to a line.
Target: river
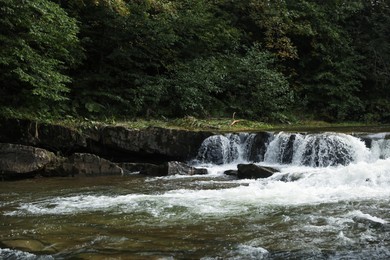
(330, 200)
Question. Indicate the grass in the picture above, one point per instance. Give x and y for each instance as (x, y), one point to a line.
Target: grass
(189, 123)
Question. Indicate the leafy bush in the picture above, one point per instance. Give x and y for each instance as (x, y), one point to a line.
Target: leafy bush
(248, 84)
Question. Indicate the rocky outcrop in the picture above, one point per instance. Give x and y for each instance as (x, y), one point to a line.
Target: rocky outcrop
(172, 168)
(83, 164)
(259, 147)
(154, 142)
(20, 161)
(51, 137)
(115, 143)
(252, 171)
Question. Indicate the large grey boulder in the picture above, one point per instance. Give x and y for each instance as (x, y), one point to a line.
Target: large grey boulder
(20, 161)
(172, 168)
(83, 164)
(252, 171)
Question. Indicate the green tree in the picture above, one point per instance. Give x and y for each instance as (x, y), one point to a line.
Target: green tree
(254, 86)
(370, 29)
(128, 50)
(248, 84)
(39, 43)
(328, 68)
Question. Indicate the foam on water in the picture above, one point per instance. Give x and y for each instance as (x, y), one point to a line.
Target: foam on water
(6, 253)
(310, 186)
(359, 214)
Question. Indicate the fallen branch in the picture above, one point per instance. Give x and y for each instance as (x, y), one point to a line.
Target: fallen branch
(234, 120)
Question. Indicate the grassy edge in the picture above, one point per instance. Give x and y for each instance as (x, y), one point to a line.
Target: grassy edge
(190, 123)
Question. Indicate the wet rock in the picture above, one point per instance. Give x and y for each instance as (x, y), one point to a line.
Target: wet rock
(252, 171)
(154, 170)
(83, 164)
(154, 141)
(18, 161)
(134, 168)
(172, 168)
(231, 173)
(259, 147)
(29, 245)
(179, 168)
(214, 149)
(92, 165)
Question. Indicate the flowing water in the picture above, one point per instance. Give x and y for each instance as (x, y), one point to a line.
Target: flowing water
(330, 200)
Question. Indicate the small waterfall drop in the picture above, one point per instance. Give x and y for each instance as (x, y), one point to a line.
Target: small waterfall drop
(314, 150)
(224, 149)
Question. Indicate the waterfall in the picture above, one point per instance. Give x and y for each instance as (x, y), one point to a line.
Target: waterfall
(224, 149)
(315, 150)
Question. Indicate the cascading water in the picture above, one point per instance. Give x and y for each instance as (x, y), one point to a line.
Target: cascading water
(315, 150)
(224, 149)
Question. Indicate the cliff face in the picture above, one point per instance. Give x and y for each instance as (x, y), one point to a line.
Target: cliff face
(114, 143)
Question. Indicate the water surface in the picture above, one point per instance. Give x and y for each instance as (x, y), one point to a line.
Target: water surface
(311, 209)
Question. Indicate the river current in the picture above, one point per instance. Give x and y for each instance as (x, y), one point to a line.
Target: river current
(330, 200)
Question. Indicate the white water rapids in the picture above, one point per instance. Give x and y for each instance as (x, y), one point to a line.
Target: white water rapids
(330, 199)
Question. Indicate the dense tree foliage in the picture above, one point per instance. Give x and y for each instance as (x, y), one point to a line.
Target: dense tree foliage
(38, 43)
(262, 59)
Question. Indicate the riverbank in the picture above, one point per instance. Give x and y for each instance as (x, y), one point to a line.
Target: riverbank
(72, 147)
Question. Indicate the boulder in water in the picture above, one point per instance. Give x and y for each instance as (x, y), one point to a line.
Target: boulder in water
(172, 168)
(252, 171)
(20, 161)
(135, 168)
(231, 173)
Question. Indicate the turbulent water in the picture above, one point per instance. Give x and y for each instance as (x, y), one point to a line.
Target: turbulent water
(330, 200)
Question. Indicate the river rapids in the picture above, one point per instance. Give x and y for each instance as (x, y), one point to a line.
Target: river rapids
(329, 200)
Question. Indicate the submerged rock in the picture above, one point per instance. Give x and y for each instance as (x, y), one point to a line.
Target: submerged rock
(172, 168)
(252, 171)
(20, 161)
(30, 245)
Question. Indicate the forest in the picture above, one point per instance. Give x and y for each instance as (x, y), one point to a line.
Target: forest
(270, 60)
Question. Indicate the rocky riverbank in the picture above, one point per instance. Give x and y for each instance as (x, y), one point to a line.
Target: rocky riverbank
(29, 148)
